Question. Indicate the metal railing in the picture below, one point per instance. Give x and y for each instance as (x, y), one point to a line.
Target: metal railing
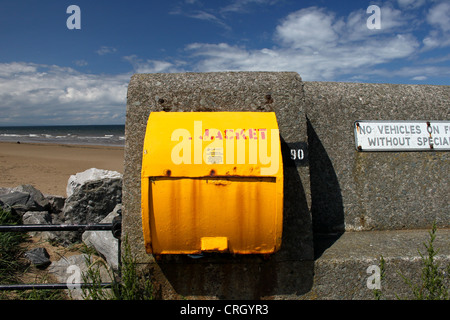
(115, 227)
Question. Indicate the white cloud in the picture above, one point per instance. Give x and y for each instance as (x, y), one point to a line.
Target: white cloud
(202, 15)
(44, 94)
(241, 6)
(439, 18)
(309, 28)
(414, 72)
(218, 16)
(199, 15)
(313, 41)
(81, 63)
(316, 44)
(105, 50)
(16, 68)
(393, 19)
(153, 66)
(411, 4)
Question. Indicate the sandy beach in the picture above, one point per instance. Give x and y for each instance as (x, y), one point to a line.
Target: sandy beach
(48, 166)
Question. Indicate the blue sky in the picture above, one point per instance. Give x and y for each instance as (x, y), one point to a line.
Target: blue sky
(52, 75)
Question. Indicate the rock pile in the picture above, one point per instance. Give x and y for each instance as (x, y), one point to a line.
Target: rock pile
(93, 196)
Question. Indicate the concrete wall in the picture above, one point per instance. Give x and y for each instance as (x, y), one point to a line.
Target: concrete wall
(289, 270)
(336, 189)
(353, 191)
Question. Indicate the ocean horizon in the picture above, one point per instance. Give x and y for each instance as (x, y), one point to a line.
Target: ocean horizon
(102, 135)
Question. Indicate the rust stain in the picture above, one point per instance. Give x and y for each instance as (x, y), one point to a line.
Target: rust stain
(269, 99)
(362, 221)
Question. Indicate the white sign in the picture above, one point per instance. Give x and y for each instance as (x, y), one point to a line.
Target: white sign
(402, 135)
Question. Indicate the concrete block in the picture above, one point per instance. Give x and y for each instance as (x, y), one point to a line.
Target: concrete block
(353, 191)
(340, 272)
(280, 92)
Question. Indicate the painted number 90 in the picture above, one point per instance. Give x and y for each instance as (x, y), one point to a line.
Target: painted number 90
(297, 154)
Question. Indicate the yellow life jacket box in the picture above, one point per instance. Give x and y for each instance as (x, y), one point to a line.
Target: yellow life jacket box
(212, 182)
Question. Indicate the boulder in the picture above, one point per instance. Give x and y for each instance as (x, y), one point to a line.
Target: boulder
(37, 217)
(6, 207)
(93, 201)
(77, 180)
(17, 201)
(40, 217)
(56, 203)
(104, 241)
(90, 203)
(39, 257)
(25, 198)
(4, 190)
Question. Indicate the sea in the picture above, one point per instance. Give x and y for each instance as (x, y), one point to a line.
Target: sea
(101, 135)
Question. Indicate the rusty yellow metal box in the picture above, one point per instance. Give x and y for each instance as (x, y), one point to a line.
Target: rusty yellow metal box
(212, 182)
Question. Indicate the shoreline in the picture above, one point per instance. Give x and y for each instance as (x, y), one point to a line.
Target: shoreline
(93, 146)
(48, 166)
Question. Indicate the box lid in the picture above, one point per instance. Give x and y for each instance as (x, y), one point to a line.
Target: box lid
(201, 144)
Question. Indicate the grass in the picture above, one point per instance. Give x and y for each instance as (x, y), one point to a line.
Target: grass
(128, 283)
(39, 294)
(13, 265)
(377, 292)
(432, 284)
(10, 249)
